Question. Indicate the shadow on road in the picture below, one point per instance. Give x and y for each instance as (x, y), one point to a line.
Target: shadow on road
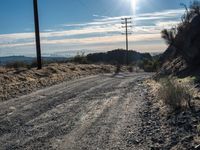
(124, 75)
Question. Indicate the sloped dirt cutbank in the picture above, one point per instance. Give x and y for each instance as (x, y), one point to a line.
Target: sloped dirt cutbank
(183, 53)
(18, 82)
(166, 130)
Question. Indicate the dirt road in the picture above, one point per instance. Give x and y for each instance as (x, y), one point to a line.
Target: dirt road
(95, 113)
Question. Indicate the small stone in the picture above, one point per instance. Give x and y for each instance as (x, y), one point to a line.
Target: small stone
(187, 139)
(133, 141)
(197, 147)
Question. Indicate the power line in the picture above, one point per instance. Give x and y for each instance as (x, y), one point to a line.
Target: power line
(126, 24)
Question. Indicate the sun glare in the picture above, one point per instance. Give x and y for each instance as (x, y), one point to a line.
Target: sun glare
(133, 5)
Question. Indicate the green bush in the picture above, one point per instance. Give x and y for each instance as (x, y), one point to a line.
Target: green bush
(149, 65)
(80, 58)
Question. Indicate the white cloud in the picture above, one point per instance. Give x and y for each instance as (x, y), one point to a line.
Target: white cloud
(101, 31)
(167, 14)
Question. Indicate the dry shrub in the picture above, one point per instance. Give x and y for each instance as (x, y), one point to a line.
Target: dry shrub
(174, 95)
(17, 64)
(118, 68)
(130, 68)
(3, 70)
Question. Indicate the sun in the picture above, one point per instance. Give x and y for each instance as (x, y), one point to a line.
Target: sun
(133, 4)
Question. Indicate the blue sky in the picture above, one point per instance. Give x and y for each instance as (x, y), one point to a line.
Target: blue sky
(69, 26)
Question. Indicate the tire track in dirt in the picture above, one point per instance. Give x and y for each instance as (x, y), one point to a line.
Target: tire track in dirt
(12, 125)
(105, 127)
(82, 114)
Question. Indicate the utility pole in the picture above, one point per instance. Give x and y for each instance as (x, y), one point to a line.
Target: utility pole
(125, 23)
(37, 34)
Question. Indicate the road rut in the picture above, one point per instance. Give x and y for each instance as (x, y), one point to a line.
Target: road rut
(95, 113)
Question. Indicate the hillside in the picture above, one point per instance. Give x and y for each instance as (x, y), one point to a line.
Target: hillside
(182, 57)
(175, 92)
(118, 56)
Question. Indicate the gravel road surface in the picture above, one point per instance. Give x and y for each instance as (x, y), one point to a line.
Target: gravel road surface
(92, 113)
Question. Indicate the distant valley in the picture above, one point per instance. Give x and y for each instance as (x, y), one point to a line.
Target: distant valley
(9, 59)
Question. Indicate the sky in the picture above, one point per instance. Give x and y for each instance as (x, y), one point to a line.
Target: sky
(71, 26)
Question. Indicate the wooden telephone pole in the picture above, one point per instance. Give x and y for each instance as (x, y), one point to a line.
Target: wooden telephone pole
(37, 34)
(125, 23)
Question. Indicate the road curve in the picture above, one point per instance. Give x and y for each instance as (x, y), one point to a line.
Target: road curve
(93, 113)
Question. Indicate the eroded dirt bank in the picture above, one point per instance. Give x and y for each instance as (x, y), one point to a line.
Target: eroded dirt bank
(18, 82)
(167, 129)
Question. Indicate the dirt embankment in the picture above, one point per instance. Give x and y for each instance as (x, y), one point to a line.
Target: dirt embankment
(167, 129)
(17, 82)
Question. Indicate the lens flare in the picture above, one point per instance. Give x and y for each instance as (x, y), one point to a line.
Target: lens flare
(133, 5)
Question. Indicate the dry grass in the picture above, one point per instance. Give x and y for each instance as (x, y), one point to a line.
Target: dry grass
(20, 81)
(2, 70)
(174, 95)
(118, 69)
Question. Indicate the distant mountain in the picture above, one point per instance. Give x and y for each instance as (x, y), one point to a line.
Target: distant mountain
(111, 57)
(9, 59)
(118, 56)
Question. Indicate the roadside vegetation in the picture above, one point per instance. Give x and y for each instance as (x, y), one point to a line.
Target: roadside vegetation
(135, 60)
(120, 57)
(175, 95)
(183, 38)
(169, 35)
(16, 82)
(174, 105)
(183, 41)
(149, 65)
(80, 58)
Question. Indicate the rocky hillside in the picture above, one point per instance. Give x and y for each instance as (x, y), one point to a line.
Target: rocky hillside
(183, 53)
